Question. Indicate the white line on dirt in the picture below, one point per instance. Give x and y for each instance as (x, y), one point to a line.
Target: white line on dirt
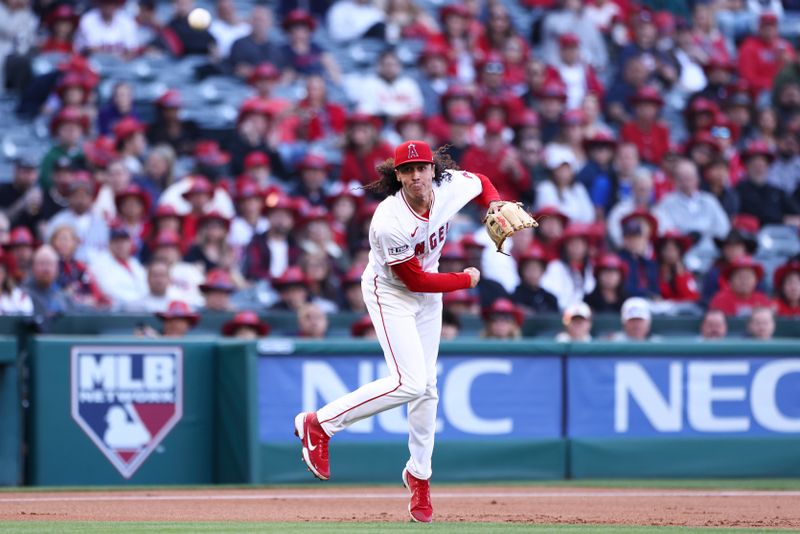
(313, 494)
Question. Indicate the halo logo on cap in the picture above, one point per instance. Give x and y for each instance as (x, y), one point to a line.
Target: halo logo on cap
(412, 151)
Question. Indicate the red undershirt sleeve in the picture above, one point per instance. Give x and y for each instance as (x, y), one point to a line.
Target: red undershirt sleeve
(488, 192)
(419, 281)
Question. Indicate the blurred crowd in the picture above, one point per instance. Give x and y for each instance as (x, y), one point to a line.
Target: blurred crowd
(656, 142)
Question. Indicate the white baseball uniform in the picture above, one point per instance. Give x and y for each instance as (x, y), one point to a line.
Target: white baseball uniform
(408, 324)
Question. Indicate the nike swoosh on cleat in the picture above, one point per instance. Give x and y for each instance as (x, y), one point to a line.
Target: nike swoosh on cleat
(311, 446)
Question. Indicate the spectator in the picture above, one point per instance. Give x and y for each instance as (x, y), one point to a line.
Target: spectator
(762, 56)
(318, 118)
(343, 201)
(433, 78)
(676, 283)
(74, 277)
(227, 28)
(459, 38)
(363, 328)
(717, 181)
(578, 76)
(210, 249)
(638, 231)
(741, 297)
(577, 321)
(641, 198)
(184, 277)
(572, 17)
(636, 321)
(133, 214)
(460, 302)
(312, 184)
(245, 325)
(550, 104)
(321, 281)
(217, 289)
(13, 300)
(706, 37)
(619, 97)
(713, 326)
(688, 209)
(170, 129)
(502, 320)
(255, 132)
(120, 276)
(761, 324)
(17, 34)
(349, 20)
(69, 126)
(160, 290)
(119, 106)
(451, 325)
(249, 220)
(312, 322)
(784, 173)
(270, 253)
(91, 229)
(21, 195)
(408, 20)
(117, 179)
(61, 22)
(292, 288)
(562, 190)
(48, 299)
(363, 150)
(660, 66)
(756, 197)
(19, 250)
(498, 159)
(131, 144)
(598, 175)
(257, 47)
(787, 289)
(740, 242)
(609, 293)
(569, 277)
(177, 320)
(389, 93)
(529, 294)
(107, 29)
(303, 56)
(351, 299)
(645, 130)
(570, 136)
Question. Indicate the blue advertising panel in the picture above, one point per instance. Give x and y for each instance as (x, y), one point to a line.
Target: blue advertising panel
(479, 397)
(679, 396)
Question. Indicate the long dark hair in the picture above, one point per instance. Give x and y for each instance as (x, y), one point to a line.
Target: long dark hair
(387, 184)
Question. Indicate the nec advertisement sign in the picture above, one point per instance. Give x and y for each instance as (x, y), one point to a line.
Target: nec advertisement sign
(683, 396)
(478, 397)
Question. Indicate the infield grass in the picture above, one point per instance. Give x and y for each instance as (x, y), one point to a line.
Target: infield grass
(47, 527)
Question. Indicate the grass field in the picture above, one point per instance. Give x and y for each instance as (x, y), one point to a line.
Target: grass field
(358, 528)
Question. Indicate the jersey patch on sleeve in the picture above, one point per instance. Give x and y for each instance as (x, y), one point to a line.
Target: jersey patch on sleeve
(396, 251)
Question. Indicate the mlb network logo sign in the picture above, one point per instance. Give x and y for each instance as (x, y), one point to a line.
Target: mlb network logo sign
(126, 399)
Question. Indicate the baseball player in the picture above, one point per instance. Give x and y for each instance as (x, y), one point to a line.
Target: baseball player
(403, 293)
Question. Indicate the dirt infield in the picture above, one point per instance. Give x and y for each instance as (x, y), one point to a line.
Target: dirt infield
(485, 503)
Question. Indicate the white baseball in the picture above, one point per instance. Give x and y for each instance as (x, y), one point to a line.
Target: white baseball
(199, 18)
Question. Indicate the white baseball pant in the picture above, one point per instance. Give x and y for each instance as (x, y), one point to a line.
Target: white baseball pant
(409, 327)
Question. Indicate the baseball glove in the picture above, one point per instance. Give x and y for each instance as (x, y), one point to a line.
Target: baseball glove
(504, 218)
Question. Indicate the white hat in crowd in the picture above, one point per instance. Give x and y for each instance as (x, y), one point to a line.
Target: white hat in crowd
(635, 308)
(578, 309)
(557, 155)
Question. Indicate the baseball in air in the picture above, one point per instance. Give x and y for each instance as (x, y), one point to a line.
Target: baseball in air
(199, 18)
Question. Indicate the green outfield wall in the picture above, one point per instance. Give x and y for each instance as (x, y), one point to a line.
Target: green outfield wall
(123, 410)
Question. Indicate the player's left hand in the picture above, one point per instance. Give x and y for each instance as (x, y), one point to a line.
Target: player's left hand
(504, 219)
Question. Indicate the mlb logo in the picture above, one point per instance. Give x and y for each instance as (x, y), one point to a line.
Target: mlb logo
(126, 399)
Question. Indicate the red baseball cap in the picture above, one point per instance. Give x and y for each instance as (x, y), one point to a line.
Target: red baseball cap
(411, 152)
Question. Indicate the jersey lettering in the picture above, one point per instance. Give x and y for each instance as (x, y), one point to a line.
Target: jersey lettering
(441, 233)
(419, 249)
(433, 241)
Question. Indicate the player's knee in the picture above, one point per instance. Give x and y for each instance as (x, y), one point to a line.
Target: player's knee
(415, 388)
